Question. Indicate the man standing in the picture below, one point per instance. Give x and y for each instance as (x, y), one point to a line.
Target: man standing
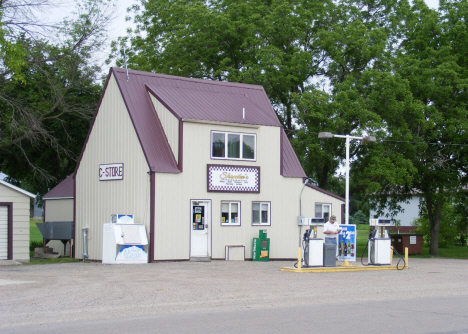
(331, 229)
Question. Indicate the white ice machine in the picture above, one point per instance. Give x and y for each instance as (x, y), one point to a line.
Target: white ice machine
(124, 243)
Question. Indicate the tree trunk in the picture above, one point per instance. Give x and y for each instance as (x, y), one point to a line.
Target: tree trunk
(434, 214)
(289, 131)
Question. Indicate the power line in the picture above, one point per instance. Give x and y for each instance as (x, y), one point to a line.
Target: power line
(413, 142)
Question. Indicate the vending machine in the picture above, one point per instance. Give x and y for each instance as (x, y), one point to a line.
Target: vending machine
(261, 247)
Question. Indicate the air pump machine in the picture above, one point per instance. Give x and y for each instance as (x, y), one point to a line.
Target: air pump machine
(312, 246)
(379, 244)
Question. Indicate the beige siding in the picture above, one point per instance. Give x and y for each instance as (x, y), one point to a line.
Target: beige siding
(174, 192)
(170, 125)
(59, 210)
(21, 210)
(113, 140)
(311, 197)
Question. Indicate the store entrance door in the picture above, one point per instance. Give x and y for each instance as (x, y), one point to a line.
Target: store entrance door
(200, 245)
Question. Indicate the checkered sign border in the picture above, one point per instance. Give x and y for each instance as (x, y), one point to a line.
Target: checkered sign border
(235, 169)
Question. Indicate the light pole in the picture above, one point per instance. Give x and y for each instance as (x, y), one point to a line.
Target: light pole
(367, 139)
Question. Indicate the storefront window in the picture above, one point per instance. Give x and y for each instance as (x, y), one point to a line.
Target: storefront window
(230, 213)
(237, 146)
(261, 213)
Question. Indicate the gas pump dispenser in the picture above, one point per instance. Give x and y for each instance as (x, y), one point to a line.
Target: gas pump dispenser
(379, 244)
(312, 246)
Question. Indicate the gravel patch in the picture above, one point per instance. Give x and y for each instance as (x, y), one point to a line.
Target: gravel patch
(35, 294)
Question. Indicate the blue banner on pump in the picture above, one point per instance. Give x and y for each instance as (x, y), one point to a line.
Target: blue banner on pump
(347, 243)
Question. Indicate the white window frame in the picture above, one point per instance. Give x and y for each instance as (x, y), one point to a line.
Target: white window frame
(230, 213)
(323, 204)
(226, 134)
(269, 214)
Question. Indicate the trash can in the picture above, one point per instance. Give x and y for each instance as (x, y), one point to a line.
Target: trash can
(261, 247)
(329, 255)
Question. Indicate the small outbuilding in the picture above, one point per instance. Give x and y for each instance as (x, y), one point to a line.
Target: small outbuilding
(59, 207)
(203, 165)
(15, 210)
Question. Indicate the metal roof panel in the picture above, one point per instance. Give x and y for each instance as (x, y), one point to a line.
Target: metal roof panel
(66, 188)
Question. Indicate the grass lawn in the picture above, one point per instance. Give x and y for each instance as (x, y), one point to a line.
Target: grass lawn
(34, 233)
(452, 252)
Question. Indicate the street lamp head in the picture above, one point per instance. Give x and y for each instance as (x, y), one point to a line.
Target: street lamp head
(369, 139)
(325, 135)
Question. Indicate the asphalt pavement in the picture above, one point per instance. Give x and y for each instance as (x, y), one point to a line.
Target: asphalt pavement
(431, 296)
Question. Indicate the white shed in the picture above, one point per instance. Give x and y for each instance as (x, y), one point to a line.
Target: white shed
(15, 208)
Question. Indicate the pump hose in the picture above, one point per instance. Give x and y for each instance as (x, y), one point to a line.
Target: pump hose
(303, 247)
(404, 262)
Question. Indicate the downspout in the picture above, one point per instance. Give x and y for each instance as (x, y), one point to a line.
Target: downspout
(300, 208)
(152, 174)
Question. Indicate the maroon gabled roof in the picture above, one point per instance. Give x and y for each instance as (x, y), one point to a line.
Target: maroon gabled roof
(290, 165)
(63, 189)
(219, 103)
(148, 128)
(194, 99)
(325, 192)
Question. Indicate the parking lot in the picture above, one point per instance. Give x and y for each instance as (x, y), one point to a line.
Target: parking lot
(33, 295)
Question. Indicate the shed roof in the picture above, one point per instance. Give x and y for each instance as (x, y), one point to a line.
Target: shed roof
(325, 192)
(64, 189)
(194, 99)
(24, 192)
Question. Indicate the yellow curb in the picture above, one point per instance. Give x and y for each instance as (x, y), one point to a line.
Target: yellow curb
(339, 269)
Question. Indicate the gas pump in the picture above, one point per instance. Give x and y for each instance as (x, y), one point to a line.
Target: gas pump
(312, 246)
(379, 243)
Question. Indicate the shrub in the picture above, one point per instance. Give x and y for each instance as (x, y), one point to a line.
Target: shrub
(35, 244)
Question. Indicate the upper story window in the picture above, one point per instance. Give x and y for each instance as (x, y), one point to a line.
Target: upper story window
(323, 210)
(230, 145)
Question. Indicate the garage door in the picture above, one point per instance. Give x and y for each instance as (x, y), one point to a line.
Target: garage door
(3, 232)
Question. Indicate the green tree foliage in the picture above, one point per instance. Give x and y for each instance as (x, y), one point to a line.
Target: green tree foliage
(452, 230)
(48, 90)
(390, 68)
(359, 218)
(271, 43)
(430, 132)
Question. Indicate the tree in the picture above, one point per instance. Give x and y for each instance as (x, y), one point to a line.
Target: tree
(412, 97)
(431, 131)
(48, 90)
(357, 46)
(267, 42)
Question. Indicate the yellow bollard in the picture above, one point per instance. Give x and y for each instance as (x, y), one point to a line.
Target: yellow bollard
(299, 258)
(406, 257)
(346, 264)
